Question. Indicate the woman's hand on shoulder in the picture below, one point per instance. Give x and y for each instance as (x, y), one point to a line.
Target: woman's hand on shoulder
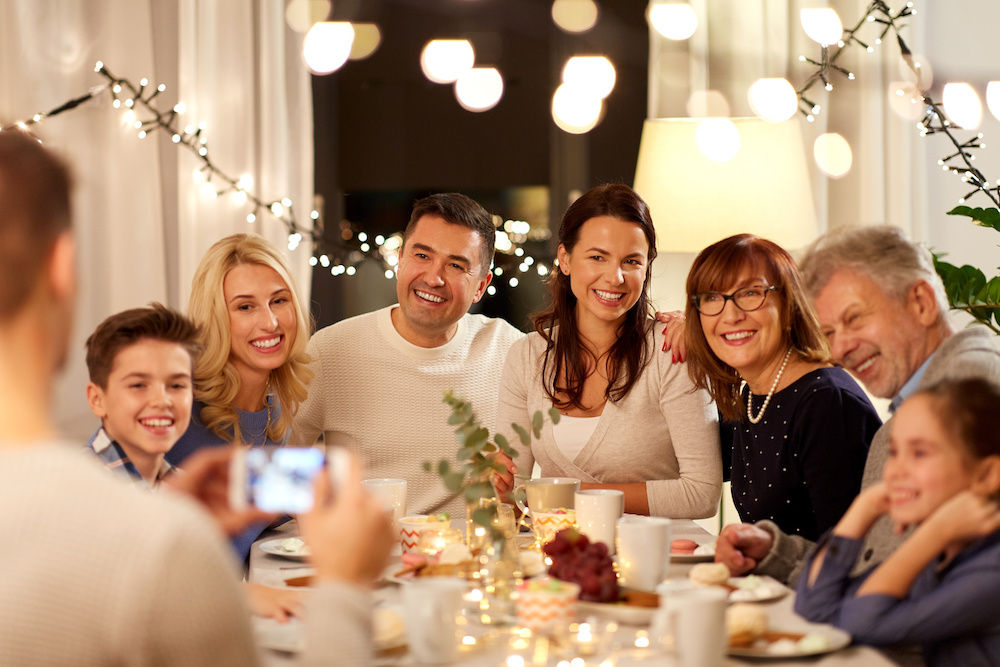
(673, 334)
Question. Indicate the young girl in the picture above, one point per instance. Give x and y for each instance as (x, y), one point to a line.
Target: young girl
(941, 588)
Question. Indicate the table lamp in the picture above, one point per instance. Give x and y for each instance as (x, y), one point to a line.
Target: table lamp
(763, 189)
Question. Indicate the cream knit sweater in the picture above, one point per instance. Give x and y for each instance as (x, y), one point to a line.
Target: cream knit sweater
(94, 571)
(663, 433)
(377, 393)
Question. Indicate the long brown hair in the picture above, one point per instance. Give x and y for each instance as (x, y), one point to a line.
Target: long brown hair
(565, 356)
(716, 268)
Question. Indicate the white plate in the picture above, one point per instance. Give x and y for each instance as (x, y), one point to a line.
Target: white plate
(769, 589)
(836, 637)
(389, 631)
(618, 611)
(274, 547)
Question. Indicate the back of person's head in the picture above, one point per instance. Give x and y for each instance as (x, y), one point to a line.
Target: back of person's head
(457, 209)
(717, 268)
(970, 409)
(216, 381)
(155, 322)
(879, 252)
(34, 210)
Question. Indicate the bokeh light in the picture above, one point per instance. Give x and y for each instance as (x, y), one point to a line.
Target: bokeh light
(833, 154)
(575, 109)
(707, 104)
(962, 104)
(675, 21)
(445, 60)
(301, 15)
(773, 99)
(822, 25)
(718, 139)
(327, 46)
(367, 39)
(479, 89)
(594, 72)
(575, 16)
(906, 100)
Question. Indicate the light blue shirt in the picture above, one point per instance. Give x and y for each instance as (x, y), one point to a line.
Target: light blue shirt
(910, 386)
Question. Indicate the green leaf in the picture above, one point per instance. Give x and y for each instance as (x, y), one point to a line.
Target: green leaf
(455, 419)
(443, 468)
(489, 448)
(536, 424)
(984, 217)
(483, 517)
(501, 442)
(477, 491)
(427, 466)
(477, 438)
(465, 453)
(554, 415)
(522, 434)
(454, 481)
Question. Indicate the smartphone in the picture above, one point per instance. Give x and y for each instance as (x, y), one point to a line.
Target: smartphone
(280, 479)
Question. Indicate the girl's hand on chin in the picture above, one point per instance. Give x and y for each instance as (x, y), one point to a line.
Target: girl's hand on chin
(965, 517)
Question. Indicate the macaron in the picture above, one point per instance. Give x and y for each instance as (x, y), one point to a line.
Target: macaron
(683, 547)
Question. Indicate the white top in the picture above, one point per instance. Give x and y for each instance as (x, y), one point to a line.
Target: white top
(381, 395)
(572, 433)
(663, 433)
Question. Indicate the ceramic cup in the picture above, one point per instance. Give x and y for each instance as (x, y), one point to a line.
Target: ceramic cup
(545, 525)
(597, 513)
(693, 621)
(412, 527)
(432, 606)
(392, 494)
(643, 544)
(546, 493)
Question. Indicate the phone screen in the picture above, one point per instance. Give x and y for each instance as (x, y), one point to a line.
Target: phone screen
(280, 479)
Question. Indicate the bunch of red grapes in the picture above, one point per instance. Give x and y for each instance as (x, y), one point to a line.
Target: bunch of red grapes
(575, 558)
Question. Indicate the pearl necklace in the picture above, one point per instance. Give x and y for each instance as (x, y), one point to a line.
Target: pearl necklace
(774, 385)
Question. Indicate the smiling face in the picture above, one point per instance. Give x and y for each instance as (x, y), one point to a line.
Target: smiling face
(751, 342)
(262, 321)
(874, 336)
(606, 269)
(440, 275)
(926, 465)
(146, 406)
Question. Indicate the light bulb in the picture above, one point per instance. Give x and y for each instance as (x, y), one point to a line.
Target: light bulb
(673, 21)
(594, 72)
(962, 105)
(575, 109)
(774, 100)
(445, 60)
(822, 25)
(479, 89)
(327, 46)
(574, 16)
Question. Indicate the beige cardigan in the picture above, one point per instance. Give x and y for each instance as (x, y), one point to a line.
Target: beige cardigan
(663, 433)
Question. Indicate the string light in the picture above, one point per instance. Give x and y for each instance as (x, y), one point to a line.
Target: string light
(341, 257)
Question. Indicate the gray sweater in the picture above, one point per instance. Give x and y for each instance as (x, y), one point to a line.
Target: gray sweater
(663, 433)
(968, 353)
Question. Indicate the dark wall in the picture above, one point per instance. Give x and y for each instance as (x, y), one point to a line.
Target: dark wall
(385, 135)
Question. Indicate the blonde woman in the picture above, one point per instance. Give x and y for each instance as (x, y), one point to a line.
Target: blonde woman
(253, 373)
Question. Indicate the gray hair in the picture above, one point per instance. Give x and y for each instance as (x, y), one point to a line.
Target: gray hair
(880, 252)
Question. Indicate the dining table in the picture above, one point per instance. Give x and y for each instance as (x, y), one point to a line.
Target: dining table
(491, 647)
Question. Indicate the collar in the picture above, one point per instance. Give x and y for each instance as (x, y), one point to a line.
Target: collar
(114, 458)
(910, 385)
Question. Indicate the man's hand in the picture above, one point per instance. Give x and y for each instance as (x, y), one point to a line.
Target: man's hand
(742, 546)
(674, 332)
(348, 531)
(205, 478)
(503, 482)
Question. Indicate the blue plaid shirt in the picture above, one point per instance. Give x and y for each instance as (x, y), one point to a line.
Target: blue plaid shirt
(114, 458)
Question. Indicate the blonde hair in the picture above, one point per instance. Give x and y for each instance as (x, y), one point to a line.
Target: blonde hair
(217, 382)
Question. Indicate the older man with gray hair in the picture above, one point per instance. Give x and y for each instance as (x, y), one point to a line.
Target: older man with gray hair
(884, 310)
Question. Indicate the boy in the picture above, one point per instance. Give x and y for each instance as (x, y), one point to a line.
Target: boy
(141, 364)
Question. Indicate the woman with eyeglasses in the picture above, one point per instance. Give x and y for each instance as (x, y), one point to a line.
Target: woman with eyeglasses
(631, 420)
(798, 427)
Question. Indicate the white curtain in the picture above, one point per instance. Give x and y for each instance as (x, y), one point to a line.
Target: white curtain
(141, 223)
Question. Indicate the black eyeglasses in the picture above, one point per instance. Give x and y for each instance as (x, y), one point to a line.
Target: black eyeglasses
(746, 299)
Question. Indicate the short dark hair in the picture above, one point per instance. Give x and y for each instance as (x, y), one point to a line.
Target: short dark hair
(457, 209)
(155, 322)
(34, 211)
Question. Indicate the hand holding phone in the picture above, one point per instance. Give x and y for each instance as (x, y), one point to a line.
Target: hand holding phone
(280, 479)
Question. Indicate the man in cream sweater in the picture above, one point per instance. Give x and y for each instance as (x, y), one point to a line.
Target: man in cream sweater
(93, 571)
(380, 377)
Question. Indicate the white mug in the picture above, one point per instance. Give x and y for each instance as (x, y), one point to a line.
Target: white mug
(597, 513)
(643, 544)
(432, 606)
(694, 619)
(392, 494)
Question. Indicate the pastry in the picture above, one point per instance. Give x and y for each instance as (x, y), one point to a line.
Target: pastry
(710, 574)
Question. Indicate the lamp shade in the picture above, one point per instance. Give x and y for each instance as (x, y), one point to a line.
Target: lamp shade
(764, 189)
